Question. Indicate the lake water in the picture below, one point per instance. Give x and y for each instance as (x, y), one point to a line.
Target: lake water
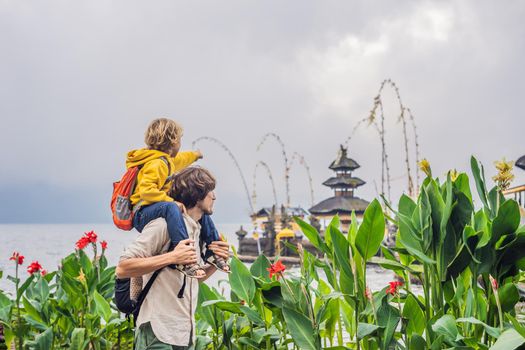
(49, 243)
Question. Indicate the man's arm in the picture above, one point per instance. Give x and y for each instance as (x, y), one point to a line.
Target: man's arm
(184, 253)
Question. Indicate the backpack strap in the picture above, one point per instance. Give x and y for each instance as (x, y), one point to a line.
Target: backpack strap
(144, 293)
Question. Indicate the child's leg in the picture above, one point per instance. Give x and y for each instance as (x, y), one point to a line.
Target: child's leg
(167, 210)
(208, 233)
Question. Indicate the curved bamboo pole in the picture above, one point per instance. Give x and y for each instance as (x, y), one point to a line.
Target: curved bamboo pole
(227, 150)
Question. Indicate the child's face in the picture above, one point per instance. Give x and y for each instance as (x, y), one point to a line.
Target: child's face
(175, 147)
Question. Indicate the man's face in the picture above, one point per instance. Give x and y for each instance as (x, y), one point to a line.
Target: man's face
(206, 205)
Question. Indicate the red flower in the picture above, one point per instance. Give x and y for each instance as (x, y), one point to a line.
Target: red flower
(276, 269)
(92, 236)
(104, 245)
(19, 259)
(82, 242)
(34, 267)
(394, 285)
(43, 273)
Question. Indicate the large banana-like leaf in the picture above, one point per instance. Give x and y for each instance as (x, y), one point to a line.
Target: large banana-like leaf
(241, 280)
(301, 329)
(372, 230)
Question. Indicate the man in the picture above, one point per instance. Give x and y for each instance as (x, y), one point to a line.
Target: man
(166, 319)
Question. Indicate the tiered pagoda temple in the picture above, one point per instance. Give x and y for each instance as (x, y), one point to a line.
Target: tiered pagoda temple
(344, 200)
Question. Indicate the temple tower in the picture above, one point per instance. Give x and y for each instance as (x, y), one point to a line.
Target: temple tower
(344, 200)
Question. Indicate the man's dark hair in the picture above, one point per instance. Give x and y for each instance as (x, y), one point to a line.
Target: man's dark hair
(191, 185)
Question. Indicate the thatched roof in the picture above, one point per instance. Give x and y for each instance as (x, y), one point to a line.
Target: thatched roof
(339, 205)
(292, 211)
(344, 181)
(342, 162)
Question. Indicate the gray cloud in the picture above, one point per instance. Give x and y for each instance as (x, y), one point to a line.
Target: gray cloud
(81, 81)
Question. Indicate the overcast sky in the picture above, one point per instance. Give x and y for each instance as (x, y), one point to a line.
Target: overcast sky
(81, 80)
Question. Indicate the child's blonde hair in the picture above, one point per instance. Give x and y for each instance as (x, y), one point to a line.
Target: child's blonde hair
(162, 133)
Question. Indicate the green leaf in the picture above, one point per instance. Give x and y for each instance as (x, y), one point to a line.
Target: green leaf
(85, 262)
(252, 315)
(102, 306)
(372, 230)
(13, 279)
(387, 318)
(493, 332)
(409, 240)
(241, 281)
(33, 310)
(365, 329)
(42, 341)
(274, 296)
(406, 205)
(394, 265)
(462, 184)
(508, 340)
(260, 267)
(507, 220)
(5, 308)
(229, 306)
(508, 296)
(249, 342)
(352, 230)
(341, 248)
(417, 342)
(202, 342)
(479, 179)
(24, 286)
(77, 339)
(311, 233)
(518, 326)
(446, 326)
(415, 316)
(301, 329)
(333, 225)
(207, 313)
(459, 263)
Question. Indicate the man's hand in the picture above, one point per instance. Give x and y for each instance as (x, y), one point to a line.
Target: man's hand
(220, 248)
(184, 253)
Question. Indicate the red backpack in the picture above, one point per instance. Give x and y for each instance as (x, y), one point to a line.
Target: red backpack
(121, 207)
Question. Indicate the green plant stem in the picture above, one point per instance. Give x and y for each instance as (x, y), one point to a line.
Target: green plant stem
(426, 287)
(356, 291)
(18, 317)
(401, 313)
(500, 313)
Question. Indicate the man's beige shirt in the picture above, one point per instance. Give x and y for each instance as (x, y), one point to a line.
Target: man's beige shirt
(171, 318)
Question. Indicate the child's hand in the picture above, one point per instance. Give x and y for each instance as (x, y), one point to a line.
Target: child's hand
(199, 154)
(181, 207)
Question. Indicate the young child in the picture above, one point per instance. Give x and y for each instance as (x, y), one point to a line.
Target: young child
(160, 161)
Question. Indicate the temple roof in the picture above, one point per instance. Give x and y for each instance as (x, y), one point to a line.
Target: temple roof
(344, 181)
(292, 211)
(520, 163)
(339, 205)
(342, 162)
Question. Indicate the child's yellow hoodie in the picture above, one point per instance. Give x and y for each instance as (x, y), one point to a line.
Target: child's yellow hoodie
(152, 186)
